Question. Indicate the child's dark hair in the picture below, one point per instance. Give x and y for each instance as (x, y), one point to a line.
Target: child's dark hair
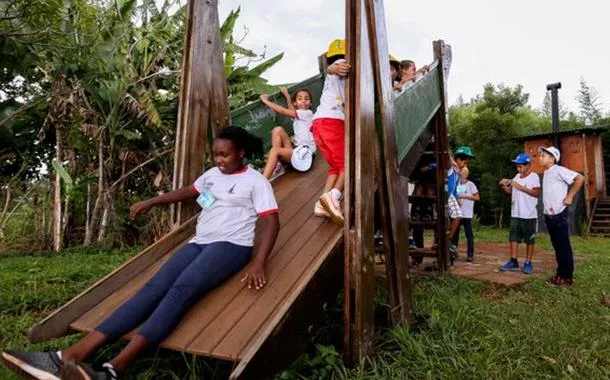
(406, 64)
(302, 89)
(334, 58)
(243, 140)
(395, 65)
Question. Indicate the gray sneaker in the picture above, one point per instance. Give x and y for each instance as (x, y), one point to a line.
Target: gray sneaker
(33, 365)
(83, 371)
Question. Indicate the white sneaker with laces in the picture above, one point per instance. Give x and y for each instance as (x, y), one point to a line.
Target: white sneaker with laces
(279, 170)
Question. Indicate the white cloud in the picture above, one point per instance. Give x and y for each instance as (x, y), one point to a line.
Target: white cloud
(528, 42)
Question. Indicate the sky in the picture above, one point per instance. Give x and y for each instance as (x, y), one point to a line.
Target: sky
(527, 42)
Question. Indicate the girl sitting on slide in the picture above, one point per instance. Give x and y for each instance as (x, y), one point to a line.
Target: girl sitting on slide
(282, 151)
(232, 196)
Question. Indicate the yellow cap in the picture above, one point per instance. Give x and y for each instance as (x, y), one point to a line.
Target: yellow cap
(394, 59)
(337, 47)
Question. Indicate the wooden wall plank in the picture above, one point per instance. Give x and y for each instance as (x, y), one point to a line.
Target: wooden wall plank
(203, 99)
(393, 186)
(360, 132)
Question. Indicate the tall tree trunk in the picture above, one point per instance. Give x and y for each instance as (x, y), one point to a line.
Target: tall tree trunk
(57, 209)
(100, 192)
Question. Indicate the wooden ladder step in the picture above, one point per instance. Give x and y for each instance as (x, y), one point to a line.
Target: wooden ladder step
(422, 252)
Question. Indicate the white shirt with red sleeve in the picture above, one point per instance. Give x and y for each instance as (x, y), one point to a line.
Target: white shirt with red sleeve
(239, 199)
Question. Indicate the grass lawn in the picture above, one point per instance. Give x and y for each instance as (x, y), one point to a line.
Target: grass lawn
(466, 330)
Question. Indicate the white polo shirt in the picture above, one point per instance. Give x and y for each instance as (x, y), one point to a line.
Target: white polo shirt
(523, 205)
(240, 198)
(555, 188)
(332, 98)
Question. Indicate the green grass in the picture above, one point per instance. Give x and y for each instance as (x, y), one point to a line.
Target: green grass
(466, 329)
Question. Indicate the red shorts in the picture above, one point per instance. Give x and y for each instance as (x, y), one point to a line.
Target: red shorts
(329, 135)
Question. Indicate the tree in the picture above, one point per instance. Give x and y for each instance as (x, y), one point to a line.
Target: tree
(546, 109)
(589, 102)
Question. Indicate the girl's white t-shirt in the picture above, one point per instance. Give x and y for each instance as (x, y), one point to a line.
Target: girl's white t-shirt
(239, 199)
(332, 98)
(302, 129)
(523, 205)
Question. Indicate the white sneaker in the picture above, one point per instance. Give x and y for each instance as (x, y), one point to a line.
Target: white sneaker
(332, 207)
(318, 210)
(279, 170)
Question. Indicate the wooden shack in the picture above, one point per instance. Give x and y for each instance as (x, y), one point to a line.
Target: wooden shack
(581, 151)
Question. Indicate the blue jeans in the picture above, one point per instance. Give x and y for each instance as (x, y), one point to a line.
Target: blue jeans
(559, 232)
(467, 223)
(193, 271)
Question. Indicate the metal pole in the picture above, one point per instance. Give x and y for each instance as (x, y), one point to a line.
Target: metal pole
(554, 87)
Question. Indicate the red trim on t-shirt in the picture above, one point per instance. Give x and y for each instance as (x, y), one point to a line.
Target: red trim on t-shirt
(242, 170)
(195, 188)
(268, 212)
(296, 114)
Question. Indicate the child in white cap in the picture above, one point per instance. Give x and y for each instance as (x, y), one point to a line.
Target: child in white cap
(559, 186)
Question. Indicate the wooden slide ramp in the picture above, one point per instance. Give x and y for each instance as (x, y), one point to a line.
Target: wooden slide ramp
(232, 322)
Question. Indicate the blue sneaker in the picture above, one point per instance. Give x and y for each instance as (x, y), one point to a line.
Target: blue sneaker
(510, 265)
(527, 267)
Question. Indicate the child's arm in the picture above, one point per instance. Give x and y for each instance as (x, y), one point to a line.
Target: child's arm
(255, 276)
(505, 183)
(338, 68)
(535, 192)
(277, 108)
(576, 185)
(174, 196)
(286, 94)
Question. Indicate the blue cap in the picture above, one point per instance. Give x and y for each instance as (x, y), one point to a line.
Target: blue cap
(522, 159)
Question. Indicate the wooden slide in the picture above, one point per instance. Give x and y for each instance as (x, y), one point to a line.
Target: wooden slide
(233, 322)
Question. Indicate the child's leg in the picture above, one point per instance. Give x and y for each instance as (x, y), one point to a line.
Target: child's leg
(514, 250)
(456, 237)
(467, 223)
(563, 251)
(279, 138)
(455, 225)
(214, 264)
(551, 226)
(330, 182)
(529, 251)
(276, 155)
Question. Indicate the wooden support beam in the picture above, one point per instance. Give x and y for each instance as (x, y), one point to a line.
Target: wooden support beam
(442, 53)
(204, 107)
(360, 188)
(393, 186)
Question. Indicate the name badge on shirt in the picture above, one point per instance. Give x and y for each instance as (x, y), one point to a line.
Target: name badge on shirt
(206, 199)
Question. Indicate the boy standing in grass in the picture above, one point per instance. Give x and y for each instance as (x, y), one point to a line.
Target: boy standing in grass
(556, 198)
(524, 189)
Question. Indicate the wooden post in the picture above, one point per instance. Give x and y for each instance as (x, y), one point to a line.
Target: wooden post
(204, 107)
(442, 156)
(359, 192)
(393, 187)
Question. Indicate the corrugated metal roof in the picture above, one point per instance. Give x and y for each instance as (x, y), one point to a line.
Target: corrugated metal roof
(587, 130)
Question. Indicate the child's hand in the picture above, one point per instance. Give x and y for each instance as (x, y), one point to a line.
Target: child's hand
(424, 68)
(255, 276)
(504, 182)
(339, 68)
(516, 185)
(264, 98)
(139, 208)
(284, 91)
(567, 200)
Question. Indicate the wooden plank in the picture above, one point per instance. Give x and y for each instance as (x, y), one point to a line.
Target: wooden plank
(442, 159)
(288, 268)
(393, 186)
(203, 103)
(360, 179)
(299, 323)
(57, 324)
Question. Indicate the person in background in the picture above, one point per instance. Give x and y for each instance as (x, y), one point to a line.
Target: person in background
(524, 189)
(462, 155)
(282, 151)
(467, 194)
